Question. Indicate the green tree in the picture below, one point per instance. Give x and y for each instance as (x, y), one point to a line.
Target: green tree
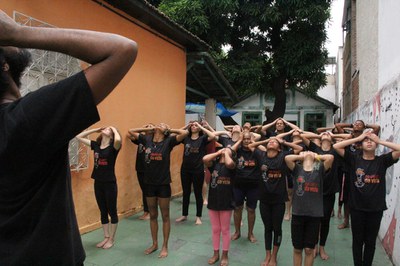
(273, 45)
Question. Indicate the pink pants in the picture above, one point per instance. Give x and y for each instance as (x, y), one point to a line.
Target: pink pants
(221, 223)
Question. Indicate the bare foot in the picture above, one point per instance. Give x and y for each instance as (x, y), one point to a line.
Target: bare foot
(163, 253)
(151, 249)
(251, 238)
(235, 236)
(145, 216)
(224, 262)
(109, 243)
(205, 202)
(213, 259)
(181, 219)
(272, 263)
(241, 223)
(101, 244)
(198, 221)
(264, 263)
(286, 217)
(343, 226)
(323, 254)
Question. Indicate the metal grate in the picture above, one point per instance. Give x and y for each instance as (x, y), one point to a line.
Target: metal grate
(46, 68)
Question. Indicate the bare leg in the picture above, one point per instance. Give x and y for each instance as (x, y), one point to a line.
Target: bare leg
(106, 235)
(164, 207)
(288, 205)
(152, 203)
(111, 240)
(274, 256)
(214, 258)
(251, 218)
(345, 223)
(297, 257)
(309, 257)
(205, 187)
(237, 218)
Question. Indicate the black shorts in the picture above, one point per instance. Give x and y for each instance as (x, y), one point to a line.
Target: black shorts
(248, 192)
(159, 191)
(305, 230)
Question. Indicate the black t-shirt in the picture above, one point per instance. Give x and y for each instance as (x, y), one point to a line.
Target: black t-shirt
(368, 181)
(193, 153)
(104, 162)
(273, 177)
(307, 190)
(220, 192)
(225, 142)
(140, 164)
(38, 223)
(247, 169)
(331, 184)
(157, 156)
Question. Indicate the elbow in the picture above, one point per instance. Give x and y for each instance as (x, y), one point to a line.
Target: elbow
(130, 49)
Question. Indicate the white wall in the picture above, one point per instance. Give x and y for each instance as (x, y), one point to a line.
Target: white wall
(367, 47)
(389, 41)
(328, 92)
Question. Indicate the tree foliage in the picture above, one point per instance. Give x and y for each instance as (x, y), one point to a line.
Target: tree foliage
(273, 44)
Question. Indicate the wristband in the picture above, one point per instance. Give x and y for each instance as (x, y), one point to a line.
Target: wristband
(317, 157)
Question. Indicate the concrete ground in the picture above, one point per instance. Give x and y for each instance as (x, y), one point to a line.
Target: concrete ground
(191, 244)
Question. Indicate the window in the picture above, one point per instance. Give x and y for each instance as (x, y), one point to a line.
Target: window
(46, 68)
(254, 118)
(313, 121)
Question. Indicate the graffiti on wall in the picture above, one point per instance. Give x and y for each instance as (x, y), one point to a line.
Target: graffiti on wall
(384, 109)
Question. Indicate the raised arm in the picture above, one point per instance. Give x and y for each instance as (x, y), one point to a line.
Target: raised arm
(264, 128)
(340, 146)
(326, 159)
(117, 138)
(209, 133)
(293, 126)
(110, 55)
(82, 137)
(209, 158)
(229, 162)
(180, 134)
(296, 148)
(292, 159)
(374, 127)
(133, 133)
(394, 146)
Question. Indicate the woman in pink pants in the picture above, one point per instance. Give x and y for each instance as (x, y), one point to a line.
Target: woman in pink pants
(220, 200)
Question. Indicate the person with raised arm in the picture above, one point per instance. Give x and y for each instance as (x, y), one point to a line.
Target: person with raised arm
(272, 191)
(140, 167)
(105, 148)
(157, 179)
(367, 190)
(307, 202)
(38, 221)
(192, 170)
(220, 201)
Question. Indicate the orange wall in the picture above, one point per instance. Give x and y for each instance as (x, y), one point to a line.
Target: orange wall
(153, 91)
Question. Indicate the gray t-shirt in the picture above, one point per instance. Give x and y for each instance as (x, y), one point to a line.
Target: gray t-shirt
(307, 191)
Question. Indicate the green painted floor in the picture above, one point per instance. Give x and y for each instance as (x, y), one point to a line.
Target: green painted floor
(191, 244)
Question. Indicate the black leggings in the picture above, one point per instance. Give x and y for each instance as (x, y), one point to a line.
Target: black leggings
(272, 217)
(329, 202)
(365, 227)
(187, 179)
(140, 176)
(106, 197)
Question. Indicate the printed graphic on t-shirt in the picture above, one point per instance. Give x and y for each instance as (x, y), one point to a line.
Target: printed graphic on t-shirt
(189, 149)
(96, 158)
(242, 163)
(264, 169)
(300, 189)
(141, 148)
(214, 176)
(360, 178)
(147, 155)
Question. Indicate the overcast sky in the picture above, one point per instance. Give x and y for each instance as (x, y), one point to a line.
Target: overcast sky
(334, 28)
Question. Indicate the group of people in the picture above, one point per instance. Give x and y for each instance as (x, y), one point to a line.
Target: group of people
(251, 163)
